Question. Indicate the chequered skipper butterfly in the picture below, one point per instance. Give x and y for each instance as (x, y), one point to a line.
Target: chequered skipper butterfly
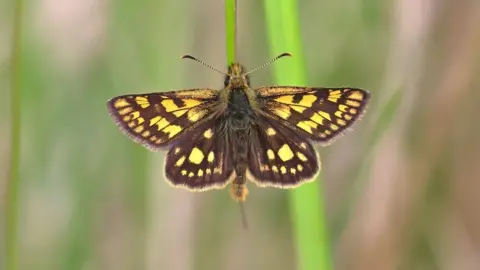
(215, 137)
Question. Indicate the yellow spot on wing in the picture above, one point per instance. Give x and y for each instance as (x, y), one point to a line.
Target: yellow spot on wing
(125, 110)
(343, 108)
(162, 124)
(317, 118)
(293, 170)
(154, 120)
(335, 92)
(274, 168)
(334, 96)
(301, 156)
(283, 170)
(139, 129)
(348, 117)
(208, 133)
(140, 120)
(180, 161)
(270, 154)
(285, 153)
(142, 101)
(184, 172)
(121, 102)
(288, 99)
(271, 131)
(196, 156)
(200, 172)
(180, 112)
(191, 174)
(172, 130)
(195, 114)
(170, 105)
(299, 167)
(325, 115)
(356, 95)
(146, 133)
(283, 112)
(217, 170)
(208, 171)
(135, 114)
(338, 114)
(211, 157)
(341, 122)
(191, 103)
(333, 127)
(299, 109)
(307, 126)
(352, 103)
(307, 100)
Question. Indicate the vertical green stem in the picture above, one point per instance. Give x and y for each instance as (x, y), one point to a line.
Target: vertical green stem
(307, 209)
(11, 204)
(231, 29)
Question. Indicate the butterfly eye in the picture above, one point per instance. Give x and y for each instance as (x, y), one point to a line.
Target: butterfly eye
(227, 80)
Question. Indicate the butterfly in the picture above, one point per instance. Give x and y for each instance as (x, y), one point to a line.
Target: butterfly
(239, 134)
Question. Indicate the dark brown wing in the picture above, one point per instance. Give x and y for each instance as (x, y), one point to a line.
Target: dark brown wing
(158, 119)
(202, 160)
(279, 156)
(319, 114)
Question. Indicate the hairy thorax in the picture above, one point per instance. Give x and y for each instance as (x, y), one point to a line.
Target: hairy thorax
(239, 111)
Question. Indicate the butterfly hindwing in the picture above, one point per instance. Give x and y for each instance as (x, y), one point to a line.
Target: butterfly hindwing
(157, 119)
(200, 161)
(320, 114)
(279, 156)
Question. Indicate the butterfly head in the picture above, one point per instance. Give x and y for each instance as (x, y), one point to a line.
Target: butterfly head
(236, 77)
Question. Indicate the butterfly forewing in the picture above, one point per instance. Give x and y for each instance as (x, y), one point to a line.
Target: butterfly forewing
(157, 119)
(279, 156)
(320, 114)
(200, 161)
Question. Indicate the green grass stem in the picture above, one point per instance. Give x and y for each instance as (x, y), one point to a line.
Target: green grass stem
(231, 29)
(306, 202)
(13, 184)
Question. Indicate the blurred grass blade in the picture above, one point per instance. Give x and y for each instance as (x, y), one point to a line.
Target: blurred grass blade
(231, 29)
(13, 184)
(313, 250)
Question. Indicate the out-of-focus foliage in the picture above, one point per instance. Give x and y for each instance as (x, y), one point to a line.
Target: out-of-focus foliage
(401, 190)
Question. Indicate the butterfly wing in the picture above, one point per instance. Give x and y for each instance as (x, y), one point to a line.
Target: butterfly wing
(279, 156)
(202, 160)
(158, 119)
(319, 114)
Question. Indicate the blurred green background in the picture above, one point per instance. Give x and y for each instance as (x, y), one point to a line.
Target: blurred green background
(402, 191)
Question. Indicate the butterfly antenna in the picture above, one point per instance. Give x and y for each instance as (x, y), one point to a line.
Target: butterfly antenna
(203, 63)
(269, 62)
(244, 216)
